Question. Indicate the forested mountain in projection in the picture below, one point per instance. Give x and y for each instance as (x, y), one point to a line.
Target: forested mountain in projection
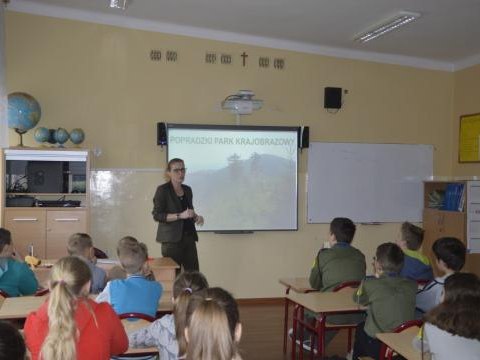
(254, 193)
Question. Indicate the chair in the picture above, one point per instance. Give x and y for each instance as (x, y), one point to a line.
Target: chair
(99, 254)
(386, 353)
(42, 292)
(349, 327)
(142, 320)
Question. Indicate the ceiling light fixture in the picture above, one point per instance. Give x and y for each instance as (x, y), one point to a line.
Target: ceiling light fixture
(119, 4)
(393, 23)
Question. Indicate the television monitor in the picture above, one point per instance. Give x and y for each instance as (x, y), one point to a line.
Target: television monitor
(244, 178)
(45, 177)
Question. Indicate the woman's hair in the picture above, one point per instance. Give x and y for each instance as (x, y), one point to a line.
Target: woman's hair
(212, 320)
(12, 346)
(185, 285)
(68, 278)
(459, 313)
(173, 161)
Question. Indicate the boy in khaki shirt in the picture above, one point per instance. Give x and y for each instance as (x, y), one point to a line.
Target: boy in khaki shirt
(389, 297)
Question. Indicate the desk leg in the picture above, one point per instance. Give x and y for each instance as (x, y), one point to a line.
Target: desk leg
(321, 336)
(285, 324)
(294, 335)
(302, 333)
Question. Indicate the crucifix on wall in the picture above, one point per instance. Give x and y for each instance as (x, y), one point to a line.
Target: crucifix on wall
(244, 56)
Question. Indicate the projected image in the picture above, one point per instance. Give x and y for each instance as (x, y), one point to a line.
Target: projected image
(242, 178)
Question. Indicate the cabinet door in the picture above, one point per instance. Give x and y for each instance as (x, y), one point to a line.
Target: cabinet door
(60, 225)
(28, 229)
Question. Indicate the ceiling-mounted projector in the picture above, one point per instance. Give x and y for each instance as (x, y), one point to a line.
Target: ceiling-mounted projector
(242, 103)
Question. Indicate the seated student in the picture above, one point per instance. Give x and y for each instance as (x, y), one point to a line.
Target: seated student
(213, 327)
(71, 326)
(117, 272)
(333, 265)
(339, 263)
(389, 297)
(81, 245)
(12, 346)
(450, 256)
(135, 293)
(452, 328)
(167, 333)
(16, 278)
(416, 265)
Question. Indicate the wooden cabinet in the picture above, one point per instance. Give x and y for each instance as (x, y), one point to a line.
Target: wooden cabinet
(28, 229)
(460, 224)
(39, 219)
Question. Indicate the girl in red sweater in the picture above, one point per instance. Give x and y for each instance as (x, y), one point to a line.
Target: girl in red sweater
(69, 325)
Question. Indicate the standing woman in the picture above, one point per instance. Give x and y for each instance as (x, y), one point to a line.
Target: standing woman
(173, 209)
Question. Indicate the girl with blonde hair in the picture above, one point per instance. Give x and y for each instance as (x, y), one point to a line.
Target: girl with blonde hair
(167, 333)
(69, 325)
(213, 327)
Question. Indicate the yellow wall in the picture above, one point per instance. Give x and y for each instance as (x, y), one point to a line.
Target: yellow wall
(100, 78)
(466, 90)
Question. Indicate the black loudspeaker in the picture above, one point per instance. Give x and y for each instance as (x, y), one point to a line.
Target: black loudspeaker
(332, 98)
(161, 134)
(303, 137)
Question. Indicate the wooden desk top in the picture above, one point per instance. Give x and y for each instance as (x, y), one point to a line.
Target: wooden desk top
(299, 285)
(20, 307)
(323, 302)
(402, 343)
(163, 262)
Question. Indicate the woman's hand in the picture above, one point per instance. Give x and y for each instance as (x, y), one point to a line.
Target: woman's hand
(199, 220)
(187, 214)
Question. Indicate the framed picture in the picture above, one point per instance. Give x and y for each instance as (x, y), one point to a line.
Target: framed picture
(468, 144)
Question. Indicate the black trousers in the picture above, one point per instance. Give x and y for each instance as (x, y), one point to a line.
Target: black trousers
(364, 344)
(184, 252)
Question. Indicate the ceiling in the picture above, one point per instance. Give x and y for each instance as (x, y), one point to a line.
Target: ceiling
(446, 37)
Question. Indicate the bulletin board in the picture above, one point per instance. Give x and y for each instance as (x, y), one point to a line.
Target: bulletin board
(468, 148)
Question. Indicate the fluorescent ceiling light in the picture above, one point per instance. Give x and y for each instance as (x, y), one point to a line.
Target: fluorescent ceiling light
(401, 19)
(119, 4)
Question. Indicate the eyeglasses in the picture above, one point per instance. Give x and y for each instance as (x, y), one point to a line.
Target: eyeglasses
(176, 171)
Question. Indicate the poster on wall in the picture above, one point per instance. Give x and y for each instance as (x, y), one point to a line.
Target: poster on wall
(468, 148)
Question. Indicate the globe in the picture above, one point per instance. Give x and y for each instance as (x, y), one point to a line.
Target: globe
(61, 136)
(51, 136)
(23, 113)
(77, 136)
(41, 134)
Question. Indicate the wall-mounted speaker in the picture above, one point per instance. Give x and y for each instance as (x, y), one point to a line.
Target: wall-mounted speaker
(303, 137)
(332, 98)
(161, 133)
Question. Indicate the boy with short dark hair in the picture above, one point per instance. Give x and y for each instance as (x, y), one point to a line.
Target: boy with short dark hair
(135, 293)
(389, 297)
(334, 264)
(416, 265)
(450, 256)
(340, 262)
(16, 278)
(81, 245)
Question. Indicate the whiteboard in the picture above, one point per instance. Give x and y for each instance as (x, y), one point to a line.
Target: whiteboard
(367, 182)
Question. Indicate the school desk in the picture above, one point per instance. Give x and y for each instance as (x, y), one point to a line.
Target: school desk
(321, 304)
(163, 268)
(20, 307)
(299, 285)
(401, 343)
(130, 327)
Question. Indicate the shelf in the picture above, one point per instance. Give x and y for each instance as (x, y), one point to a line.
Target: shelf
(43, 208)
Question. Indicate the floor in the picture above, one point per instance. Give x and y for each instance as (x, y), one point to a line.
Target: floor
(262, 337)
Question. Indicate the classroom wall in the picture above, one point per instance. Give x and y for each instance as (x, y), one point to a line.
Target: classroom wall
(466, 90)
(101, 78)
